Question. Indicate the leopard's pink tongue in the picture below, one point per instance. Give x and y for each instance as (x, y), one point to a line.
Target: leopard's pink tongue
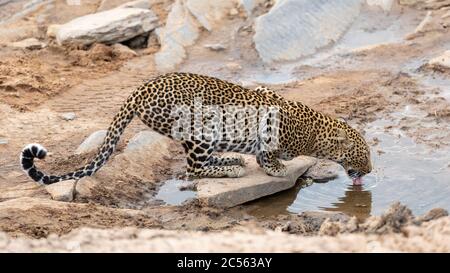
(357, 181)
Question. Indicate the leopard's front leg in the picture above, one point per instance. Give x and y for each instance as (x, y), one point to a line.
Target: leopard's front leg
(271, 164)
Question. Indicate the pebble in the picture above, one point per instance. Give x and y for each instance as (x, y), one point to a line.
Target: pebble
(68, 116)
(215, 47)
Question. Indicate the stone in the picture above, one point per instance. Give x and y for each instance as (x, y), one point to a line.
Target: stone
(62, 191)
(145, 140)
(208, 13)
(111, 26)
(181, 30)
(311, 25)
(30, 43)
(140, 4)
(215, 47)
(433, 214)
(84, 187)
(233, 12)
(424, 23)
(68, 116)
(3, 141)
(91, 143)
(324, 170)
(52, 30)
(442, 60)
(229, 192)
(123, 52)
(233, 67)
(386, 5)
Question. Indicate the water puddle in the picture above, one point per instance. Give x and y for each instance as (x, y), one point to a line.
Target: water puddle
(171, 194)
(405, 171)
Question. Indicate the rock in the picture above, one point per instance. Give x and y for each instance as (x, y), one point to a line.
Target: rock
(324, 170)
(180, 31)
(208, 13)
(182, 28)
(30, 43)
(315, 219)
(312, 25)
(91, 143)
(84, 187)
(68, 116)
(393, 220)
(147, 140)
(111, 26)
(446, 15)
(442, 61)
(431, 215)
(215, 47)
(424, 23)
(386, 5)
(52, 30)
(140, 4)
(3, 141)
(229, 192)
(233, 67)
(123, 52)
(233, 12)
(62, 191)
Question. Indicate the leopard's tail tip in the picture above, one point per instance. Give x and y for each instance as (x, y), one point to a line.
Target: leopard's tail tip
(27, 156)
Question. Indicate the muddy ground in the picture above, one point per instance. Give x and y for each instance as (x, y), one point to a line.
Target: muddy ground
(38, 86)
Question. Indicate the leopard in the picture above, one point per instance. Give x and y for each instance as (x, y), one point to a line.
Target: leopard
(241, 120)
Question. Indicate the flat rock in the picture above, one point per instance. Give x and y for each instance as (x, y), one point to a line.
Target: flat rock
(30, 43)
(92, 142)
(142, 4)
(215, 47)
(62, 191)
(294, 29)
(324, 170)
(111, 26)
(229, 192)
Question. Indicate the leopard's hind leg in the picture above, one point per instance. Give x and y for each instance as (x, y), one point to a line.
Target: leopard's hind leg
(199, 164)
(225, 161)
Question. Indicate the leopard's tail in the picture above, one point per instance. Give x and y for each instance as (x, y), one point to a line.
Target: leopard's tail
(32, 151)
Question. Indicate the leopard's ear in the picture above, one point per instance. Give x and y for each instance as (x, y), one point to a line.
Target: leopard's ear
(341, 119)
(342, 137)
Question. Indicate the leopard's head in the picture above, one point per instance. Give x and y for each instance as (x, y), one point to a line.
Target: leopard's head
(351, 151)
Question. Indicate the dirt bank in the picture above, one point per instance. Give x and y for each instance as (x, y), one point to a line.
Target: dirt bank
(431, 236)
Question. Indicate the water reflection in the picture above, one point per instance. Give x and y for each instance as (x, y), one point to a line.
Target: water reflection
(330, 196)
(356, 201)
